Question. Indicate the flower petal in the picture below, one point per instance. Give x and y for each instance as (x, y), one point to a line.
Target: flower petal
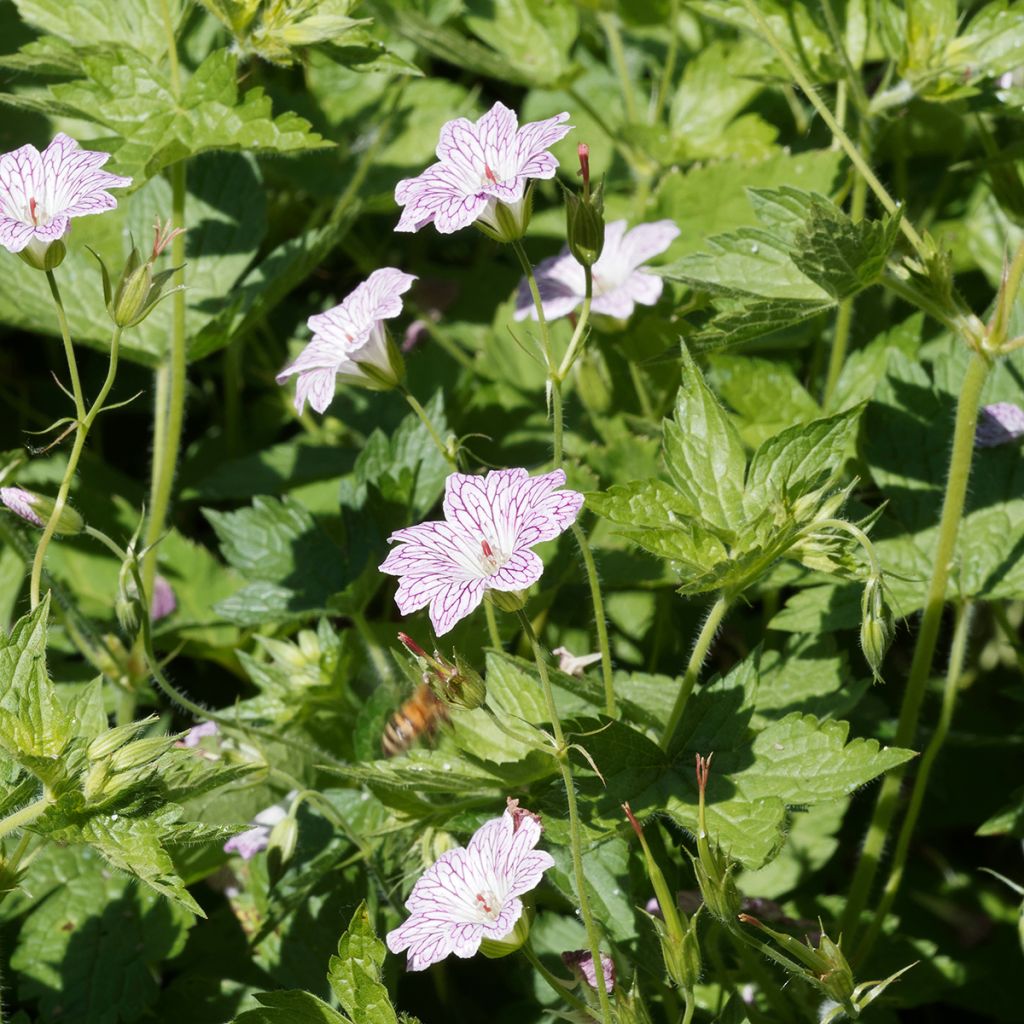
(454, 603)
(647, 240)
(532, 142)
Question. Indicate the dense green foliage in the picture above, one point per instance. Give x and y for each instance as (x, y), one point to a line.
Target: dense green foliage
(765, 454)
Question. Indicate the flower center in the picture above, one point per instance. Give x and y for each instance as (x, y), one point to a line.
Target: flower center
(488, 906)
(490, 561)
(33, 210)
(489, 176)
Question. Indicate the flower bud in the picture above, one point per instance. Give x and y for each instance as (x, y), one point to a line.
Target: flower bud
(114, 739)
(463, 688)
(581, 963)
(876, 626)
(284, 837)
(139, 754)
(584, 216)
(37, 510)
(507, 600)
(495, 949)
(713, 868)
(42, 255)
(138, 289)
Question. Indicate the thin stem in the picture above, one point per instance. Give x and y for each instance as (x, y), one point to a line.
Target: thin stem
(889, 204)
(690, 1005)
(600, 622)
(669, 69)
(957, 654)
(593, 935)
(425, 420)
(858, 535)
(844, 315)
(172, 47)
(853, 77)
(492, 625)
(169, 411)
(557, 426)
(531, 280)
(85, 422)
(579, 335)
(24, 817)
(924, 649)
(560, 989)
(610, 24)
(700, 652)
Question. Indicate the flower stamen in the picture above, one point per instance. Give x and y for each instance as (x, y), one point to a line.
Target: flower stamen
(33, 210)
(490, 175)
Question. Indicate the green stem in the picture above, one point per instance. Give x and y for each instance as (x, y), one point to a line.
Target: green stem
(169, 411)
(560, 989)
(669, 69)
(600, 622)
(69, 348)
(593, 935)
(690, 1005)
(610, 24)
(700, 652)
(889, 204)
(579, 335)
(957, 654)
(857, 534)
(492, 625)
(24, 817)
(531, 280)
(924, 649)
(425, 420)
(85, 422)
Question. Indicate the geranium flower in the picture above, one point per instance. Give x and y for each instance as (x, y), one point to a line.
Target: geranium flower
(37, 510)
(479, 166)
(574, 664)
(41, 192)
(619, 280)
(484, 542)
(254, 840)
(581, 962)
(472, 893)
(351, 342)
(999, 423)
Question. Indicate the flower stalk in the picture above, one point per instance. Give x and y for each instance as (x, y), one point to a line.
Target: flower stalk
(576, 846)
(924, 650)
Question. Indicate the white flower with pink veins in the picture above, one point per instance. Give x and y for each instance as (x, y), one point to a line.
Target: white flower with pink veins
(620, 280)
(483, 543)
(41, 192)
(472, 893)
(480, 165)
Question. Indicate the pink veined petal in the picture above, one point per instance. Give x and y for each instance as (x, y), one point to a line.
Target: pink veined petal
(315, 387)
(57, 228)
(533, 141)
(522, 570)
(502, 926)
(21, 178)
(440, 195)
(644, 288)
(74, 183)
(647, 240)
(496, 131)
(379, 297)
(15, 234)
(461, 150)
(508, 192)
(561, 283)
(454, 603)
(466, 939)
(416, 592)
(437, 549)
(322, 353)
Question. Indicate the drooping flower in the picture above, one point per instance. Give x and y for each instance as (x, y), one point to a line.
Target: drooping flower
(350, 341)
(999, 423)
(41, 192)
(481, 166)
(619, 280)
(254, 840)
(37, 509)
(581, 961)
(574, 664)
(472, 893)
(484, 542)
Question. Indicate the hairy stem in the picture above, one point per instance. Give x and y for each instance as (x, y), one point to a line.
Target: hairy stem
(492, 625)
(924, 649)
(23, 818)
(593, 935)
(600, 622)
(557, 986)
(696, 662)
(954, 671)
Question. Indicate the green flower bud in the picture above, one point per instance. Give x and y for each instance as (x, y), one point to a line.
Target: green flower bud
(584, 216)
(37, 509)
(139, 754)
(507, 600)
(877, 625)
(464, 688)
(284, 837)
(713, 868)
(113, 739)
(44, 255)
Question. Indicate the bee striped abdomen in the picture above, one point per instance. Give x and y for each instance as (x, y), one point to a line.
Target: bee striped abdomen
(417, 718)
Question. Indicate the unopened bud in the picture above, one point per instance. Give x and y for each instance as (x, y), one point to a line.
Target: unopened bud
(284, 837)
(139, 754)
(507, 600)
(37, 510)
(712, 866)
(464, 688)
(584, 224)
(42, 255)
(877, 626)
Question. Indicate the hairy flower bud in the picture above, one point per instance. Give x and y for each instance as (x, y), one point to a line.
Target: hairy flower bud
(138, 289)
(876, 626)
(713, 867)
(37, 509)
(584, 216)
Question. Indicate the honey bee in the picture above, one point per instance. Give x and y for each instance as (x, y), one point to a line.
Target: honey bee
(417, 718)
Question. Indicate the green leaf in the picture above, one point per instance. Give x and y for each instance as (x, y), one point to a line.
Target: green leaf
(355, 973)
(139, 24)
(90, 944)
(127, 94)
(293, 566)
(703, 451)
(290, 1007)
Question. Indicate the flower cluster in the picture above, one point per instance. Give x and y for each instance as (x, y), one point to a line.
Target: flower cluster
(484, 542)
(472, 893)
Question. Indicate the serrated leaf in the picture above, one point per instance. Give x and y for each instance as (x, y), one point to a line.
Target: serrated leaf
(703, 452)
(355, 973)
(290, 1007)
